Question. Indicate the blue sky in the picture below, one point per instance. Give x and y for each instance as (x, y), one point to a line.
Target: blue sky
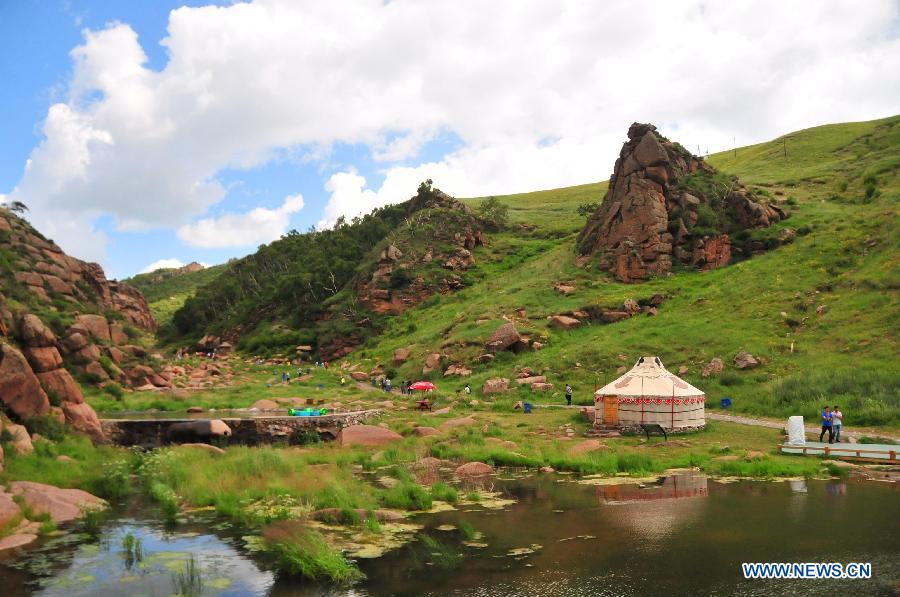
(156, 132)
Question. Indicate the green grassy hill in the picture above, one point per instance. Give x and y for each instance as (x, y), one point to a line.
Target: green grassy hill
(839, 183)
(166, 290)
(820, 312)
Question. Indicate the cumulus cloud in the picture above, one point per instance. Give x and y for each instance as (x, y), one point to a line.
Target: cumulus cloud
(163, 264)
(539, 94)
(254, 227)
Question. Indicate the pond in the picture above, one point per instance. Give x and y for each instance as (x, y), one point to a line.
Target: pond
(562, 536)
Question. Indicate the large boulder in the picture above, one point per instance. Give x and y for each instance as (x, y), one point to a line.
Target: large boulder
(401, 355)
(265, 404)
(20, 390)
(34, 332)
(62, 505)
(60, 383)
(81, 416)
(425, 431)
(745, 360)
(460, 422)
(496, 385)
(367, 435)
(432, 362)
(96, 326)
(21, 441)
(74, 342)
(503, 338)
(117, 333)
(43, 358)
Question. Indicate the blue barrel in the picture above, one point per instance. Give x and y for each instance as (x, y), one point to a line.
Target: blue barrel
(527, 407)
(726, 402)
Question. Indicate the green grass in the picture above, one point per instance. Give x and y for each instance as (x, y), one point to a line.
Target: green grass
(301, 551)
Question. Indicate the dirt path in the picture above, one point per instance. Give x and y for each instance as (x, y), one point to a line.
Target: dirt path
(779, 424)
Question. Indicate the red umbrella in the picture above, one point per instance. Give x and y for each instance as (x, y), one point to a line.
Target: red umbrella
(423, 385)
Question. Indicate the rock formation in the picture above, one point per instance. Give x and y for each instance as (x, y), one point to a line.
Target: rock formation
(43, 272)
(664, 206)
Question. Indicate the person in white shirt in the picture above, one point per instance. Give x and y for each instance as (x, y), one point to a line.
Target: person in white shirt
(836, 420)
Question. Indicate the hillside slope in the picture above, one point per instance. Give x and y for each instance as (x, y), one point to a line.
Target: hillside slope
(166, 290)
(820, 313)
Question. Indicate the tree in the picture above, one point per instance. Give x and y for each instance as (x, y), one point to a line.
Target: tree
(586, 210)
(494, 212)
(17, 207)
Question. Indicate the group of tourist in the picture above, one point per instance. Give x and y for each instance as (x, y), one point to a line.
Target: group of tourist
(832, 421)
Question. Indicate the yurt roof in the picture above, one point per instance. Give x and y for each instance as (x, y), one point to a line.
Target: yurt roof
(649, 377)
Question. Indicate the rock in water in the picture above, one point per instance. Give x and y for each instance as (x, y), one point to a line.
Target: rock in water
(654, 212)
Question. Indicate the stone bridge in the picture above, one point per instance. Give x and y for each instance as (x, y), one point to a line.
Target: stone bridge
(153, 433)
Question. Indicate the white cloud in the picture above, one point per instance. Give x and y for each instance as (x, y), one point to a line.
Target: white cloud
(163, 264)
(247, 81)
(254, 227)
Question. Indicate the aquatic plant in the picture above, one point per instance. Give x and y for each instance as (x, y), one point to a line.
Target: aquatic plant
(132, 550)
(442, 491)
(407, 496)
(301, 551)
(189, 583)
(467, 530)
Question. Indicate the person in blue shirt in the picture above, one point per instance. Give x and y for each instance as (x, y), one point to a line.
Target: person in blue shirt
(826, 425)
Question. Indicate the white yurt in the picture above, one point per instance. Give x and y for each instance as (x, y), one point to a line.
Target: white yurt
(650, 394)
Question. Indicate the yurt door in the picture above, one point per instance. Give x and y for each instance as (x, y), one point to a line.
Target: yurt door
(610, 410)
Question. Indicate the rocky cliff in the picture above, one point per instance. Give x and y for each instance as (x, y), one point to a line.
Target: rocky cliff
(666, 206)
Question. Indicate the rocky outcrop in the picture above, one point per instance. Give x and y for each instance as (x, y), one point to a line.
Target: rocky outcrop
(46, 273)
(663, 206)
(745, 360)
(61, 505)
(496, 385)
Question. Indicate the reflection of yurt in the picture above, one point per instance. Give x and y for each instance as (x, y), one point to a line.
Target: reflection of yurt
(650, 394)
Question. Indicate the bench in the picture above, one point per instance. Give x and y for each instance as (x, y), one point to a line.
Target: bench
(654, 428)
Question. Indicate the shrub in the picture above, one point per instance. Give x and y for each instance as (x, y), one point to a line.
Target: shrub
(114, 389)
(48, 426)
(442, 491)
(494, 212)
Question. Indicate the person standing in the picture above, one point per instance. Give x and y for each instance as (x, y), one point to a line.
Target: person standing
(568, 395)
(826, 425)
(468, 390)
(837, 420)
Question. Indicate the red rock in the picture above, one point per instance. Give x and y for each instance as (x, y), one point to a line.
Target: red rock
(117, 333)
(95, 369)
(474, 469)
(89, 353)
(62, 505)
(74, 342)
(60, 383)
(541, 387)
(96, 326)
(614, 316)
(367, 435)
(432, 362)
(34, 332)
(43, 358)
(9, 510)
(496, 385)
(83, 418)
(715, 366)
(20, 390)
(359, 376)
(17, 540)
(564, 322)
(401, 355)
(745, 360)
(531, 380)
(631, 306)
(29, 278)
(425, 431)
(503, 338)
(115, 354)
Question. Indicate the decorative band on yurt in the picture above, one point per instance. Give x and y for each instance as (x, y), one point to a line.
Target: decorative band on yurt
(676, 401)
